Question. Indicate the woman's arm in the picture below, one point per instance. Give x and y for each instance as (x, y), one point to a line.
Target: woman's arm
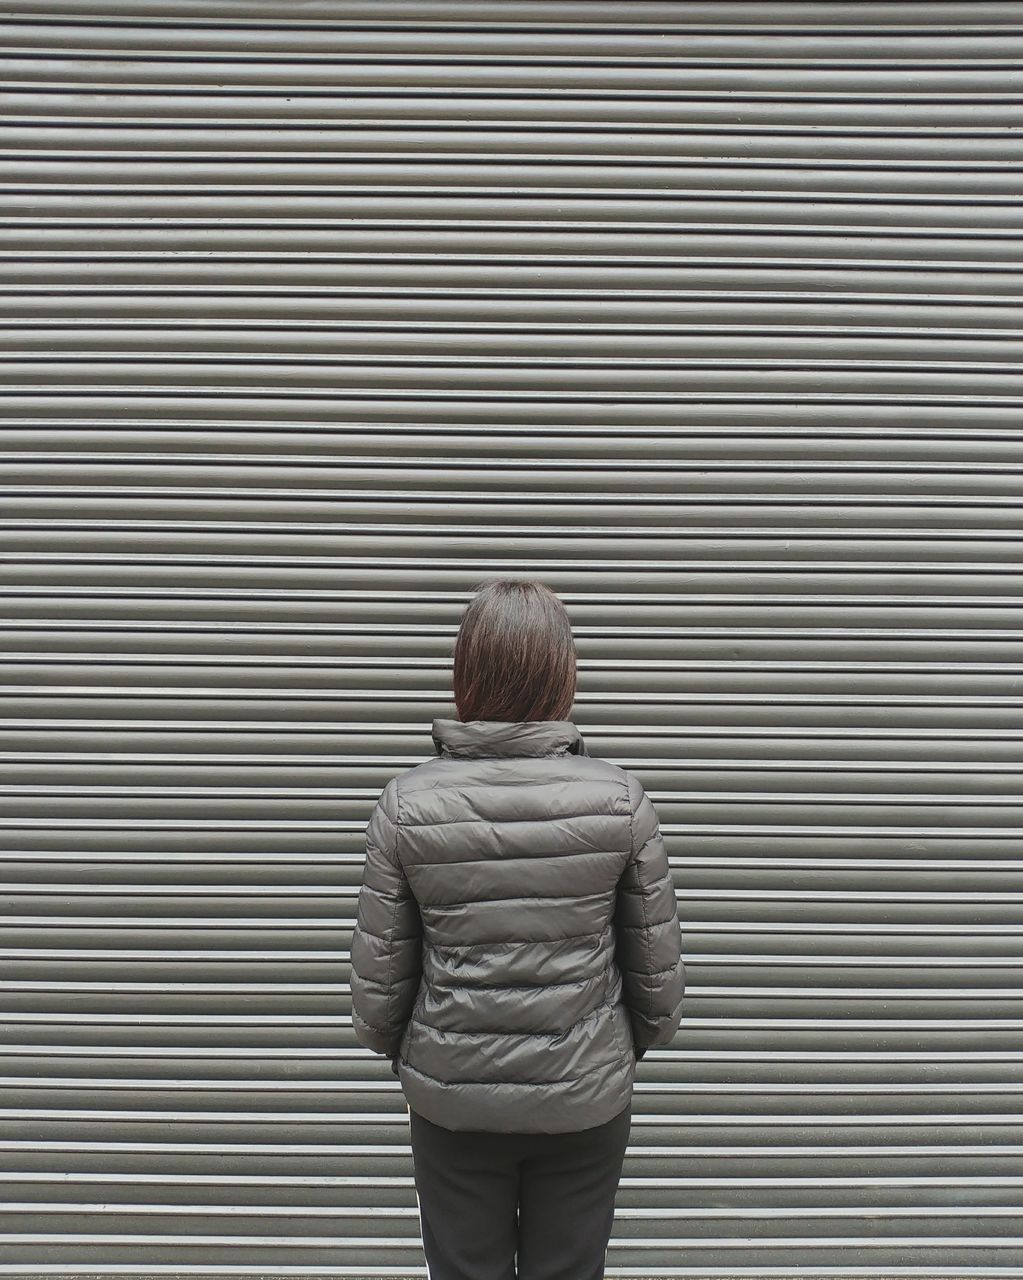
(387, 943)
(648, 932)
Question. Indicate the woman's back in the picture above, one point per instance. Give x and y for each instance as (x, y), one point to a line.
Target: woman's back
(517, 938)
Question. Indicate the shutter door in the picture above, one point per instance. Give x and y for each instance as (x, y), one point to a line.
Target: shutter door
(316, 316)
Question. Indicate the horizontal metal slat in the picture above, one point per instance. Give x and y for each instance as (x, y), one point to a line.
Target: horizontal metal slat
(746, 16)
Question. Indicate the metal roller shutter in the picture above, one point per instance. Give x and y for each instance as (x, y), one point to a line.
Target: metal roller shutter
(314, 316)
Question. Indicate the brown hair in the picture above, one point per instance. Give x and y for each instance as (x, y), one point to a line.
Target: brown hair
(515, 656)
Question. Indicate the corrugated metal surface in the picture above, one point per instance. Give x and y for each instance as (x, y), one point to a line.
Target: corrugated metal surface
(313, 316)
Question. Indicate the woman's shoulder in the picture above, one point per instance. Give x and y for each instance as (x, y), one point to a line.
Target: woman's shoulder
(437, 772)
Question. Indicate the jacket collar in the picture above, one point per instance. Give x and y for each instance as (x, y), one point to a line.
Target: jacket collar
(479, 738)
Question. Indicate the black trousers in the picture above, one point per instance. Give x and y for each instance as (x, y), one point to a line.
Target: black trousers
(543, 1203)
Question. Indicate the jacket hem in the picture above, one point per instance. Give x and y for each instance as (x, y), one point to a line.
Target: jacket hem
(501, 1106)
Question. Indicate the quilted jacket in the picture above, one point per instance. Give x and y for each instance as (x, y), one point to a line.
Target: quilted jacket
(517, 942)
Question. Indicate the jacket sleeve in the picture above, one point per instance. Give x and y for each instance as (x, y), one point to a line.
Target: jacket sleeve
(648, 933)
(386, 955)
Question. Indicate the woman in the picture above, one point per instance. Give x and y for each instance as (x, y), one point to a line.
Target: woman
(517, 948)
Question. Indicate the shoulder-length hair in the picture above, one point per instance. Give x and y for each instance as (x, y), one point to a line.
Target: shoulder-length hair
(515, 655)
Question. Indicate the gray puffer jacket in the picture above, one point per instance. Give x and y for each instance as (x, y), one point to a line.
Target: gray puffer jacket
(517, 940)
